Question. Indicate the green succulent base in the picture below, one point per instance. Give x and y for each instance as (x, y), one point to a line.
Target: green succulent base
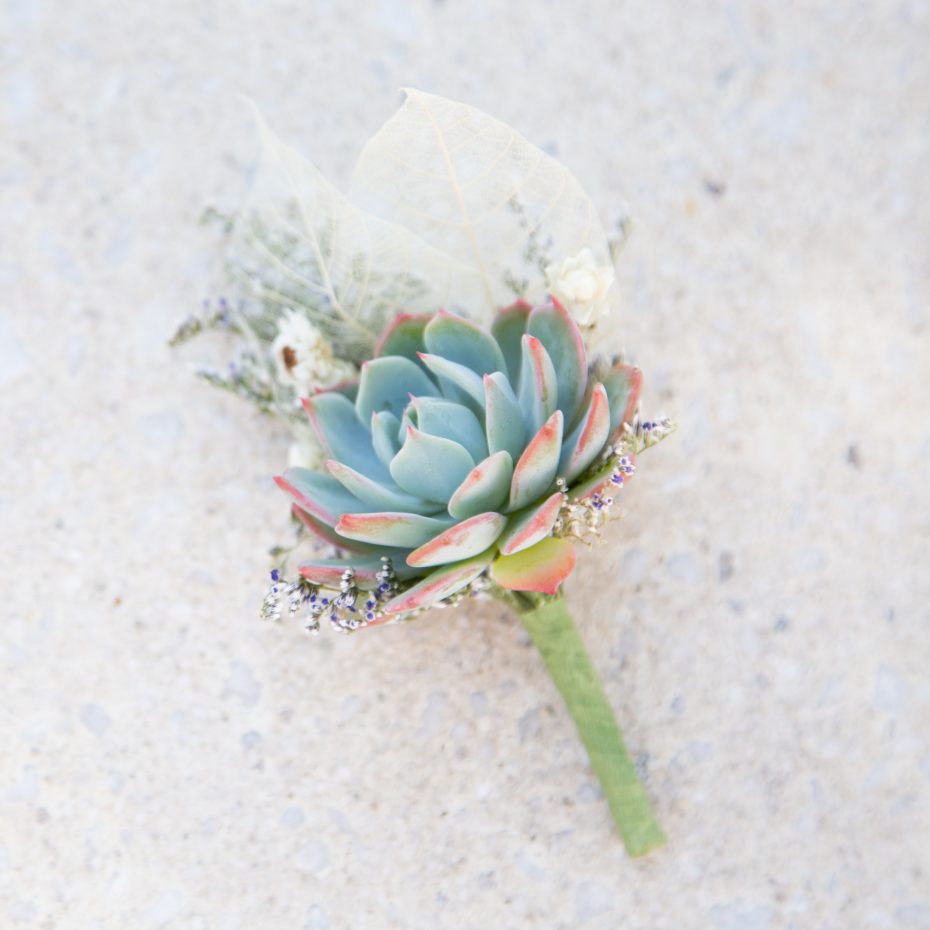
(549, 623)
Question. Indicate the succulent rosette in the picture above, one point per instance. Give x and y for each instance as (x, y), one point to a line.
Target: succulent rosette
(456, 454)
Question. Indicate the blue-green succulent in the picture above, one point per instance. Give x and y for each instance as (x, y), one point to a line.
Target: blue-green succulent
(456, 453)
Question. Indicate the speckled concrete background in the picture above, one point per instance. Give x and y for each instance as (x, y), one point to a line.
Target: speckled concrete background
(760, 619)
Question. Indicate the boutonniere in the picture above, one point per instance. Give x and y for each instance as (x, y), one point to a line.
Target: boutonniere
(432, 339)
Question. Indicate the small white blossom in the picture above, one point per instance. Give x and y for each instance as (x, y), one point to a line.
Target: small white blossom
(304, 358)
(581, 286)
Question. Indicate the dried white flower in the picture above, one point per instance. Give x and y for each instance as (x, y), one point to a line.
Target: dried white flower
(304, 358)
(581, 285)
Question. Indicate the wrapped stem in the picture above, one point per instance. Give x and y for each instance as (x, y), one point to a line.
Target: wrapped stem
(550, 625)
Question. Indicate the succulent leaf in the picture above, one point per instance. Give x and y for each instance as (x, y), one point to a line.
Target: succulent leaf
(459, 340)
(536, 470)
(348, 389)
(588, 438)
(538, 390)
(542, 567)
(623, 384)
(450, 420)
(404, 336)
(466, 380)
(430, 466)
(385, 436)
(404, 530)
(485, 487)
(342, 437)
(459, 542)
(327, 534)
(555, 328)
(328, 572)
(320, 495)
(527, 527)
(382, 495)
(503, 425)
(386, 383)
(508, 329)
(439, 584)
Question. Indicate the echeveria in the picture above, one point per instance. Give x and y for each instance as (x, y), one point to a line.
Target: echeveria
(456, 454)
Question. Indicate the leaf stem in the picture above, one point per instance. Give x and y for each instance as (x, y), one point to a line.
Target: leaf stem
(550, 625)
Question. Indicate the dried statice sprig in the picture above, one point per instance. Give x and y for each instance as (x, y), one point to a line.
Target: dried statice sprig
(347, 608)
(480, 588)
(251, 375)
(212, 319)
(246, 378)
(536, 251)
(650, 432)
(620, 235)
(275, 269)
(582, 518)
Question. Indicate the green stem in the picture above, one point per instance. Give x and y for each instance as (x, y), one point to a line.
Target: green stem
(550, 625)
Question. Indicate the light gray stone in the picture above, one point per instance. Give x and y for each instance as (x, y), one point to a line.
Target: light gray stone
(169, 761)
(95, 718)
(14, 361)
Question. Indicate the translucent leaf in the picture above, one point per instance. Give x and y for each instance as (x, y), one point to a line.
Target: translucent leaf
(475, 189)
(299, 243)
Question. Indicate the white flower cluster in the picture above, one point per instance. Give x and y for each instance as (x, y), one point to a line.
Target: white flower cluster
(304, 360)
(581, 286)
(303, 357)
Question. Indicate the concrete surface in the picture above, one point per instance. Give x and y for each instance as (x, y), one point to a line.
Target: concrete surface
(761, 617)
